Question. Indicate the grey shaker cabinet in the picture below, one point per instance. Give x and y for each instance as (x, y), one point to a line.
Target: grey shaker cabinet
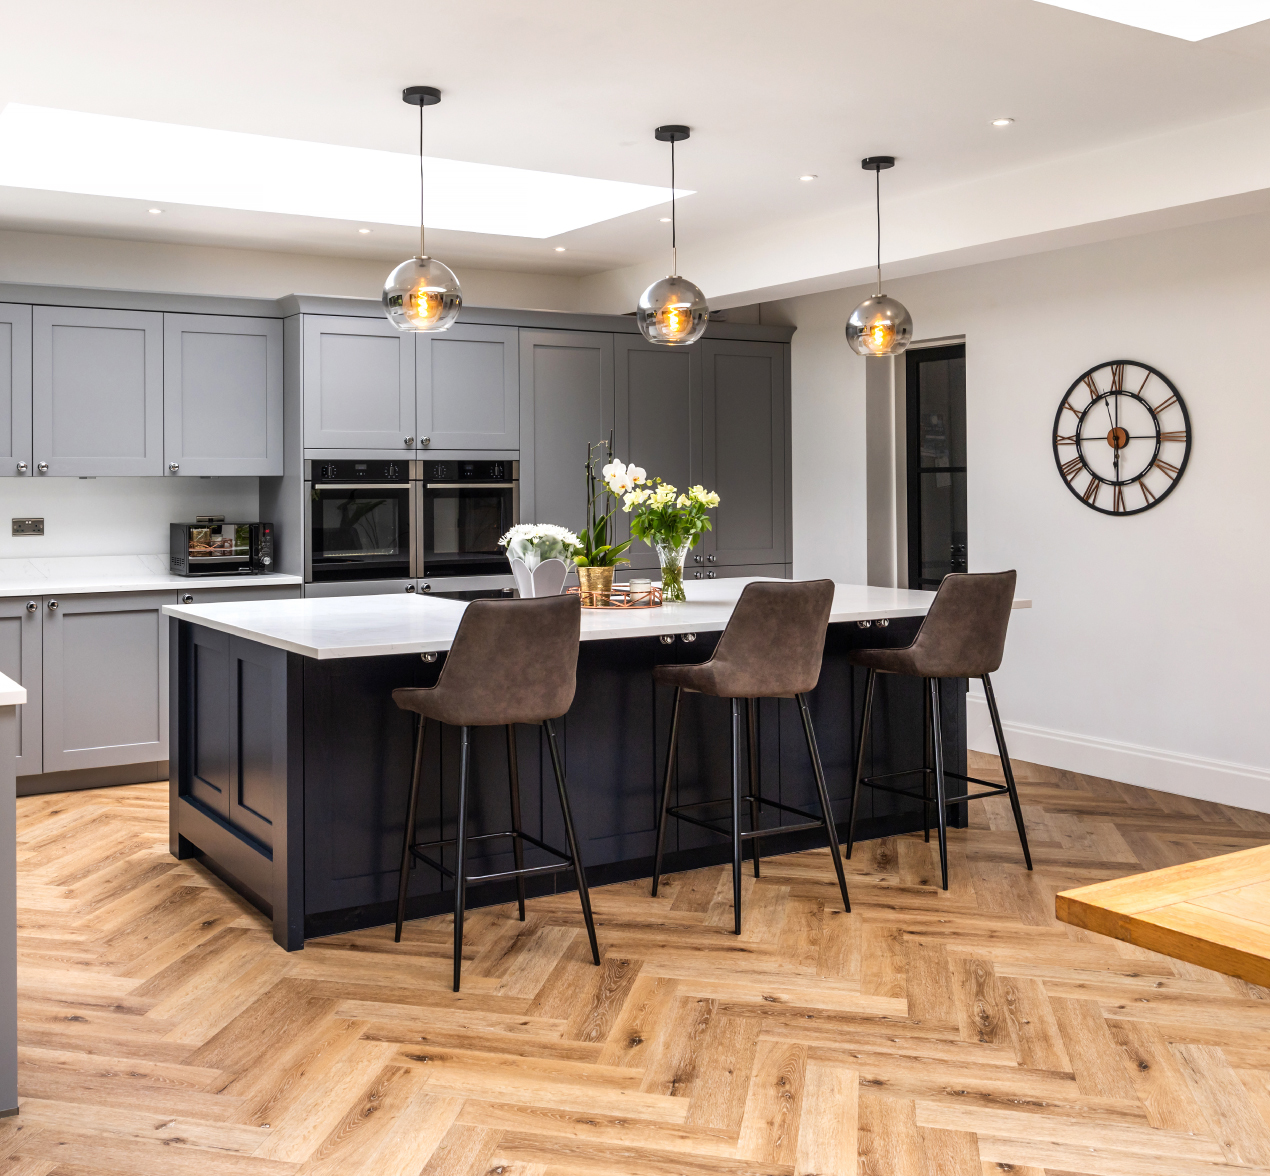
(657, 396)
(15, 390)
(105, 679)
(20, 659)
(222, 395)
(566, 402)
(359, 384)
(467, 382)
(97, 392)
(745, 405)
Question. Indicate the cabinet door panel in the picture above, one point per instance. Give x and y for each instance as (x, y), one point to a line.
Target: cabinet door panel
(358, 384)
(567, 403)
(743, 449)
(105, 680)
(97, 391)
(222, 395)
(657, 394)
(210, 756)
(20, 659)
(15, 391)
(468, 387)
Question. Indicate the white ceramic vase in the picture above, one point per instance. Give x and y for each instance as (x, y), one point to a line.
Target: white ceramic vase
(547, 579)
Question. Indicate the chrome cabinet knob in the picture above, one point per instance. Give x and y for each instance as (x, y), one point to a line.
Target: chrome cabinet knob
(696, 559)
(31, 606)
(667, 638)
(710, 559)
(52, 606)
(710, 575)
(427, 587)
(22, 467)
(187, 597)
(409, 442)
(688, 638)
(43, 467)
(266, 560)
(428, 657)
(424, 442)
(173, 467)
(696, 575)
(410, 587)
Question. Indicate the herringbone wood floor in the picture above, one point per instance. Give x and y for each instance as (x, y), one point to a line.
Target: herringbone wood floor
(926, 1034)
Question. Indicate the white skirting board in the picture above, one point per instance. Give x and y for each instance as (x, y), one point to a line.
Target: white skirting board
(1241, 785)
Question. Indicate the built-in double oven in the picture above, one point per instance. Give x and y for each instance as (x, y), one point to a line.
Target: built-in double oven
(381, 524)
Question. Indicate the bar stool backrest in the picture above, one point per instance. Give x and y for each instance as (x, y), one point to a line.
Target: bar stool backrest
(775, 640)
(963, 634)
(512, 661)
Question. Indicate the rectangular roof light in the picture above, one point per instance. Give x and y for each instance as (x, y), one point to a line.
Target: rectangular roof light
(1189, 20)
(163, 163)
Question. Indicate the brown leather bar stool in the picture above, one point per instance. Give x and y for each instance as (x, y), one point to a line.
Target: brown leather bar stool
(771, 648)
(962, 636)
(512, 661)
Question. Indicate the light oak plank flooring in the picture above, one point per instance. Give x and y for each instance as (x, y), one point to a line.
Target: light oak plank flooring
(966, 1033)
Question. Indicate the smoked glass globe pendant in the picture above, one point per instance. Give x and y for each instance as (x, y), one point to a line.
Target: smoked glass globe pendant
(422, 294)
(672, 311)
(879, 326)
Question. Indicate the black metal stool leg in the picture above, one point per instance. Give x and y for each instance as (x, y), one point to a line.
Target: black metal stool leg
(830, 831)
(941, 800)
(518, 846)
(411, 809)
(926, 764)
(736, 814)
(870, 681)
(665, 792)
(460, 849)
(1006, 768)
(572, 841)
(751, 738)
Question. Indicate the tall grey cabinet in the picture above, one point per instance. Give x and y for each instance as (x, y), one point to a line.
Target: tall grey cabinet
(467, 382)
(222, 395)
(20, 658)
(566, 390)
(15, 390)
(97, 392)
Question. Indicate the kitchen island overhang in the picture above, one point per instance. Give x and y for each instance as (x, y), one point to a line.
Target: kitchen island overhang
(290, 764)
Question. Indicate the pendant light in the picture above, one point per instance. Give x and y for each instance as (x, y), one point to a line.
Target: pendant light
(672, 311)
(879, 326)
(422, 294)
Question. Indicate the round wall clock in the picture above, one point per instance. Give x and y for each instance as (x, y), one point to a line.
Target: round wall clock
(1122, 437)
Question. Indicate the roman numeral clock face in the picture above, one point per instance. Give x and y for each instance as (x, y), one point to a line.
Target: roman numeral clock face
(1122, 437)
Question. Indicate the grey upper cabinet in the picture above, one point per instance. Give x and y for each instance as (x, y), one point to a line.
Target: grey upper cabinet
(105, 680)
(20, 659)
(359, 384)
(657, 398)
(745, 404)
(222, 395)
(15, 391)
(566, 389)
(467, 381)
(97, 392)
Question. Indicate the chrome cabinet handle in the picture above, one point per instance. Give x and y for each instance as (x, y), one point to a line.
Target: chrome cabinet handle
(428, 657)
(710, 575)
(22, 467)
(409, 442)
(187, 597)
(696, 575)
(696, 559)
(43, 467)
(428, 588)
(52, 606)
(173, 467)
(410, 587)
(710, 559)
(424, 442)
(31, 606)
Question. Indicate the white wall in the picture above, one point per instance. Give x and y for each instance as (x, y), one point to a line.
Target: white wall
(107, 263)
(1144, 658)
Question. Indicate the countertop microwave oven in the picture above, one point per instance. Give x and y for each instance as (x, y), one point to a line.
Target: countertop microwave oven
(209, 546)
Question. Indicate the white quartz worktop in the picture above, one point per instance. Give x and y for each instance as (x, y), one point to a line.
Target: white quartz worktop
(370, 626)
(11, 694)
(69, 574)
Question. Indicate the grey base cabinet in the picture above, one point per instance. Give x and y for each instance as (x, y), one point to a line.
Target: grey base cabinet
(20, 659)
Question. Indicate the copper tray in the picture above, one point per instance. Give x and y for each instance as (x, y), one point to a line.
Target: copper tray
(619, 597)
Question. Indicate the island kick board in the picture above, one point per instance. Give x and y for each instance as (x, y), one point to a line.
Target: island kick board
(1214, 912)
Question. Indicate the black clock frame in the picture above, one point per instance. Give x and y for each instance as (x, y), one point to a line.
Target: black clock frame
(1058, 417)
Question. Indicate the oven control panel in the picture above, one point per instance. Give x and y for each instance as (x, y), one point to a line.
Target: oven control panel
(469, 471)
(361, 471)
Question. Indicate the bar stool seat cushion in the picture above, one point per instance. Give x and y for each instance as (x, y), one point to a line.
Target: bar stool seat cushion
(512, 661)
(772, 647)
(963, 635)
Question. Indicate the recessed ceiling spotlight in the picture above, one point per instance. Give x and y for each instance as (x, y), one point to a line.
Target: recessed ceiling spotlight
(808, 179)
(665, 220)
(559, 248)
(1002, 122)
(154, 211)
(363, 230)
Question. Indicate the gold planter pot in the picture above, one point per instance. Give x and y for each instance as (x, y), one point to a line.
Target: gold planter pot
(595, 586)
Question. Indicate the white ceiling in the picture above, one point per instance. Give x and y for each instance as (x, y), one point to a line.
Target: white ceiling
(772, 91)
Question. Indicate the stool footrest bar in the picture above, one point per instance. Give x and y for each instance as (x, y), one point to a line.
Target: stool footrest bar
(993, 790)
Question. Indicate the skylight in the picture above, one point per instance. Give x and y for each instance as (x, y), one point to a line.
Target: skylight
(1190, 20)
(165, 164)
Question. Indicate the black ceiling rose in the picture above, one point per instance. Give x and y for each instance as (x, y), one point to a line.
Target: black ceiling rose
(672, 134)
(421, 95)
(878, 163)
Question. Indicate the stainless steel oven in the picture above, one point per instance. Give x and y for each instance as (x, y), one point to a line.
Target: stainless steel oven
(466, 507)
(361, 520)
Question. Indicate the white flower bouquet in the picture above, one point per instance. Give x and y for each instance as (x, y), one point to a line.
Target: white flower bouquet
(541, 556)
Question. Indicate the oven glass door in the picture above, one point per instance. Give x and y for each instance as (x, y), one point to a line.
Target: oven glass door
(360, 532)
(462, 524)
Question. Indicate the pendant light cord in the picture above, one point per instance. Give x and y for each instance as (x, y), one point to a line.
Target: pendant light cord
(674, 242)
(877, 188)
(422, 254)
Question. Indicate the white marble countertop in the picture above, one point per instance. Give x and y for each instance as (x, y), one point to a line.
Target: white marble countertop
(69, 574)
(370, 626)
(11, 694)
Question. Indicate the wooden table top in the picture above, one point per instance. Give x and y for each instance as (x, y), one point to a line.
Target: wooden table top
(1214, 912)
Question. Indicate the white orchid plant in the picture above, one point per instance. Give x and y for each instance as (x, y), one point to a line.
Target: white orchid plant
(534, 542)
(605, 481)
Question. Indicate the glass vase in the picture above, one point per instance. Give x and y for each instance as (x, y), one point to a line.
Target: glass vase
(672, 560)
